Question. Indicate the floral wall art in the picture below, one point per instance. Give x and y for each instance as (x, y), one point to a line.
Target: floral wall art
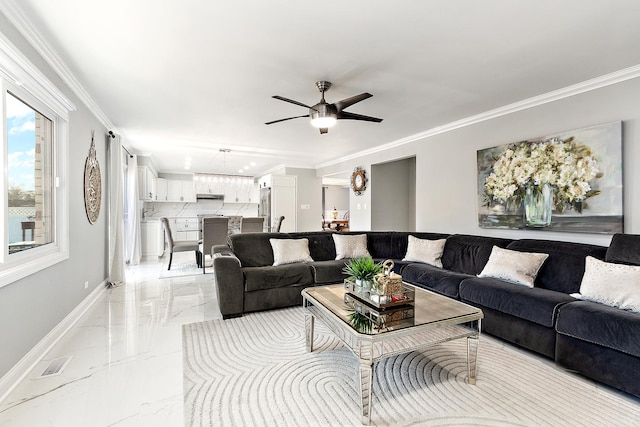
(569, 182)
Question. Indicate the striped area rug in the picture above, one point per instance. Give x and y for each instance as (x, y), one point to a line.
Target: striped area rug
(254, 371)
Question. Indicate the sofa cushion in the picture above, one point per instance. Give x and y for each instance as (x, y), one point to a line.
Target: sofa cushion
(616, 285)
(533, 304)
(564, 268)
(254, 249)
(288, 251)
(433, 278)
(425, 250)
(328, 271)
(258, 278)
(386, 244)
(351, 245)
(393, 244)
(321, 245)
(624, 249)
(520, 268)
(600, 324)
(519, 331)
(469, 254)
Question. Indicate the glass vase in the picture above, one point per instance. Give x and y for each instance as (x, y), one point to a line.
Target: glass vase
(363, 288)
(538, 205)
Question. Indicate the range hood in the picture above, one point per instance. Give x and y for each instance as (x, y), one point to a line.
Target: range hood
(207, 196)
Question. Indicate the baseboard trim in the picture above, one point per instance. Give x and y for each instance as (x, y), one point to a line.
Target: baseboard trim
(21, 369)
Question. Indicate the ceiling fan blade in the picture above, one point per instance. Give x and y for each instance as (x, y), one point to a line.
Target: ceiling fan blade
(341, 105)
(324, 130)
(352, 116)
(281, 98)
(288, 118)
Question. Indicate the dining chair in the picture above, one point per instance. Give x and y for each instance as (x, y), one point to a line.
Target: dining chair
(278, 224)
(326, 225)
(345, 226)
(178, 245)
(252, 224)
(214, 232)
(235, 222)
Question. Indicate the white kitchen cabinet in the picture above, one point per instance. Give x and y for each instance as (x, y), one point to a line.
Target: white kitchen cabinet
(146, 183)
(247, 192)
(234, 188)
(280, 199)
(174, 190)
(152, 236)
(180, 191)
(188, 191)
(162, 189)
(230, 191)
(265, 181)
(254, 194)
(186, 228)
(241, 190)
(209, 184)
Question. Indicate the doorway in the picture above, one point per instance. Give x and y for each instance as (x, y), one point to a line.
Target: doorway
(393, 195)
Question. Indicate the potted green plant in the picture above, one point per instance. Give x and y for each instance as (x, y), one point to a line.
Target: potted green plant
(362, 270)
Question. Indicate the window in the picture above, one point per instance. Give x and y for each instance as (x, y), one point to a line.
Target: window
(30, 176)
(34, 189)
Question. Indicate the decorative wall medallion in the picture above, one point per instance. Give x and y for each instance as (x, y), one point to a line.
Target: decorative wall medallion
(358, 181)
(92, 184)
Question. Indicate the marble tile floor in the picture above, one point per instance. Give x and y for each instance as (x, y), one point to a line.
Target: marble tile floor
(126, 357)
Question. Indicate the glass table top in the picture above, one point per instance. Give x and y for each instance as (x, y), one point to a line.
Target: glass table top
(429, 308)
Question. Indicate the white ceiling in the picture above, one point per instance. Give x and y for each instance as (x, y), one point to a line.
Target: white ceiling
(186, 78)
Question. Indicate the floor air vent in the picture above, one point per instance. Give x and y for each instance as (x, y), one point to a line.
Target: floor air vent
(56, 366)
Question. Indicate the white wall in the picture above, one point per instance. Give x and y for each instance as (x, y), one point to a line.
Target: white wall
(446, 163)
(309, 195)
(30, 308)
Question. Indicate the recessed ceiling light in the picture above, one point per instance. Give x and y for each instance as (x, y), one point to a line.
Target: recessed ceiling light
(252, 163)
(241, 170)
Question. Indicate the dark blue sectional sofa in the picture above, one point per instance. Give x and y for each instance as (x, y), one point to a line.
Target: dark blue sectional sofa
(598, 341)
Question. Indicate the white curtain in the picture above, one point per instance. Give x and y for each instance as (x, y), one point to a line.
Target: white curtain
(132, 238)
(116, 219)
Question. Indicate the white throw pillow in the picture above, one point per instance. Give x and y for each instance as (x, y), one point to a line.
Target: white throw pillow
(617, 285)
(516, 267)
(288, 251)
(351, 246)
(424, 250)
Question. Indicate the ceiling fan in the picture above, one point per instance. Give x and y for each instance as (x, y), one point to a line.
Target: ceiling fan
(324, 115)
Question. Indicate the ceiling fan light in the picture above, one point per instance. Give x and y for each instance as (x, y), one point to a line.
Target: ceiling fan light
(323, 122)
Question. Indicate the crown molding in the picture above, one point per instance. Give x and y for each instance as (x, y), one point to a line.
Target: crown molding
(15, 14)
(22, 73)
(556, 95)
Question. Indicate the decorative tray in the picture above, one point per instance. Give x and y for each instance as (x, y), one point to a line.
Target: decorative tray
(404, 295)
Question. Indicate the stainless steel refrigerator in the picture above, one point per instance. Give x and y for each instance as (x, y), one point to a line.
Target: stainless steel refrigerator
(264, 210)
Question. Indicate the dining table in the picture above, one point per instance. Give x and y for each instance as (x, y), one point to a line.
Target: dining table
(339, 224)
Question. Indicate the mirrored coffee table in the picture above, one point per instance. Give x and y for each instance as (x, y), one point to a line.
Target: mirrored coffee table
(436, 319)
